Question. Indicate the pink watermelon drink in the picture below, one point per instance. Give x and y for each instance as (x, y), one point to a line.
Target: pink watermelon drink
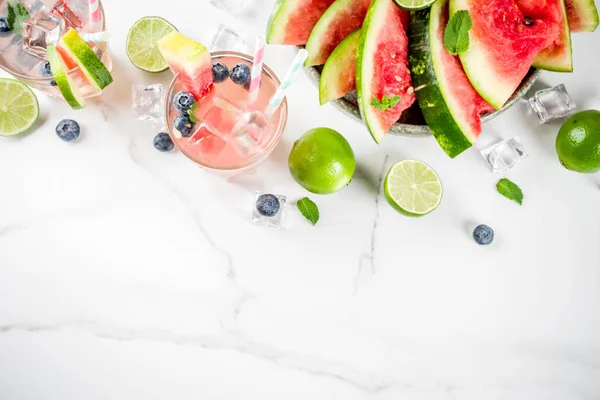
(34, 70)
(219, 106)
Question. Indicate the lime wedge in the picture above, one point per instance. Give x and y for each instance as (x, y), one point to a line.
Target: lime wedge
(68, 88)
(413, 188)
(414, 5)
(142, 48)
(18, 107)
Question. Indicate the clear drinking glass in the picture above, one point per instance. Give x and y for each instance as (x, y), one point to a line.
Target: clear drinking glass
(211, 144)
(28, 67)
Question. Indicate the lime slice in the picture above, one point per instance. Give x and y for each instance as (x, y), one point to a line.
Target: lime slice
(68, 88)
(18, 107)
(414, 5)
(142, 49)
(413, 188)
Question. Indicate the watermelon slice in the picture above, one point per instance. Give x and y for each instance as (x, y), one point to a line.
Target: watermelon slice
(338, 77)
(582, 15)
(342, 18)
(292, 21)
(190, 59)
(450, 104)
(558, 56)
(502, 48)
(382, 66)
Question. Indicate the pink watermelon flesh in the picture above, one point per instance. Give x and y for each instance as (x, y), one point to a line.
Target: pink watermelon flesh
(329, 32)
(298, 18)
(391, 73)
(582, 15)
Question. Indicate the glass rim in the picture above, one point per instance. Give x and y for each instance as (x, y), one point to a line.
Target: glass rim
(258, 158)
(21, 76)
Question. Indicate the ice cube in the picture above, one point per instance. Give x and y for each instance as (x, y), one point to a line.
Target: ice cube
(552, 103)
(42, 30)
(269, 210)
(64, 12)
(81, 8)
(504, 155)
(147, 101)
(228, 39)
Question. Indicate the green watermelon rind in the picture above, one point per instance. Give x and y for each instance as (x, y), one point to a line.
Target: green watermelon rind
(364, 65)
(588, 15)
(453, 134)
(280, 9)
(545, 59)
(329, 82)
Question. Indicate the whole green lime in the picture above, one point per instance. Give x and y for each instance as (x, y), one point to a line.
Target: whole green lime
(322, 161)
(578, 142)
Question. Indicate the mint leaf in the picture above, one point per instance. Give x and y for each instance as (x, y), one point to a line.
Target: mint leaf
(17, 13)
(309, 210)
(386, 102)
(510, 190)
(456, 36)
(191, 112)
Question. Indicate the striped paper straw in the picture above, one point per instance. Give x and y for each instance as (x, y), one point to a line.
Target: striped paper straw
(94, 10)
(97, 37)
(289, 78)
(257, 66)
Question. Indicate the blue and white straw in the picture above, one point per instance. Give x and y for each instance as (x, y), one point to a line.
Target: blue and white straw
(289, 78)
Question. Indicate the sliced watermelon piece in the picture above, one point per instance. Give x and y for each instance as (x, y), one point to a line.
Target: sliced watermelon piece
(582, 15)
(341, 19)
(190, 59)
(292, 21)
(450, 104)
(502, 48)
(382, 66)
(558, 56)
(338, 77)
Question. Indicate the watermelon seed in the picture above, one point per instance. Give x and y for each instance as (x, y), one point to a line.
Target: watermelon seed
(528, 21)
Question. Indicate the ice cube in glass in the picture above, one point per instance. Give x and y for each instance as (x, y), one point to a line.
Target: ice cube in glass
(552, 103)
(42, 30)
(148, 102)
(234, 7)
(504, 155)
(228, 39)
(272, 216)
(64, 12)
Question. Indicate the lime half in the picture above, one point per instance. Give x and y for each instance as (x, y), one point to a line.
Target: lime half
(414, 5)
(142, 48)
(18, 107)
(413, 188)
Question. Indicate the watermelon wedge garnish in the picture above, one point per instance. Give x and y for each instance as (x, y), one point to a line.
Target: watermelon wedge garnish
(190, 59)
(341, 18)
(582, 15)
(338, 77)
(382, 66)
(450, 104)
(292, 21)
(502, 47)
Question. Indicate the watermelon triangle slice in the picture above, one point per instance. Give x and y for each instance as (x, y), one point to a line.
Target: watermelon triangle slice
(338, 77)
(292, 21)
(558, 56)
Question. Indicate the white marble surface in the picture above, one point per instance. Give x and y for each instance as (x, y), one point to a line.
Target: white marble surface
(130, 274)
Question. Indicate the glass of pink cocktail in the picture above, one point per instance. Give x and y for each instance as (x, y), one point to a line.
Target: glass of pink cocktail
(212, 144)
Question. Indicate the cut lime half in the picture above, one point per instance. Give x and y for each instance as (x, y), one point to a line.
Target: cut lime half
(414, 5)
(413, 188)
(68, 88)
(19, 107)
(142, 48)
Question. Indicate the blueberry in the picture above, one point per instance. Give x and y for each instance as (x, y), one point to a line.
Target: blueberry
(4, 29)
(267, 205)
(183, 101)
(45, 70)
(240, 74)
(220, 72)
(184, 125)
(68, 130)
(483, 235)
(163, 142)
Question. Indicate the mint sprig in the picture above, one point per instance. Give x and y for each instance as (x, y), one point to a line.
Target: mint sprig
(16, 14)
(456, 36)
(309, 210)
(192, 113)
(510, 190)
(386, 102)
